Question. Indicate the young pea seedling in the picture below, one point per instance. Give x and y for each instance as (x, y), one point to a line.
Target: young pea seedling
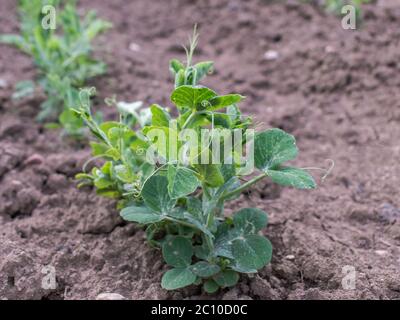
(335, 6)
(180, 199)
(63, 56)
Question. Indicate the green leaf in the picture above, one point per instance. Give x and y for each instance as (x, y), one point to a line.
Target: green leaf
(108, 193)
(293, 177)
(177, 278)
(220, 102)
(180, 78)
(177, 213)
(251, 251)
(155, 195)
(202, 69)
(210, 286)
(175, 66)
(204, 269)
(23, 89)
(178, 251)
(98, 148)
(272, 148)
(15, 40)
(194, 207)
(192, 97)
(159, 117)
(71, 122)
(141, 215)
(223, 243)
(242, 269)
(250, 220)
(202, 252)
(230, 185)
(198, 224)
(211, 174)
(226, 278)
(181, 181)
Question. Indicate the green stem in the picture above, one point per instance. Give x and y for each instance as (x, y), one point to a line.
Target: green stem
(189, 119)
(243, 186)
(187, 224)
(206, 197)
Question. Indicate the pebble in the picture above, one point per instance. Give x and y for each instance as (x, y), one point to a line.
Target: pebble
(110, 296)
(271, 55)
(134, 47)
(34, 159)
(388, 213)
(3, 84)
(290, 257)
(329, 49)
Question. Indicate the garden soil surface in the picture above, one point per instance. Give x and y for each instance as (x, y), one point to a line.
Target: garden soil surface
(336, 90)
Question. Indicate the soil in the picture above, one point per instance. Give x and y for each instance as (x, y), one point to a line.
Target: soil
(336, 90)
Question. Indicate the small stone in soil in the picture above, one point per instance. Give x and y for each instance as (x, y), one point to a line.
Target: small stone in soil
(388, 213)
(110, 296)
(381, 252)
(3, 84)
(34, 160)
(134, 47)
(271, 55)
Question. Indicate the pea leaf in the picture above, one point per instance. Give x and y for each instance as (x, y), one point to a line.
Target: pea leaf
(175, 66)
(204, 269)
(250, 220)
(178, 251)
(210, 286)
(141, 215)
(181, 181)
(71, 122)
(202, 69)
(159, 117)
(202, 252)
(272, 148)
(293, 177)
(220, 102)
(124, 173)
(155, 196)
(194, 207)
(226, 278)
(23, 89)
(211, 174)
(251, 251)
(98, 148)
(177, 278)
(192, 97)
(198, 224)
(223, 243)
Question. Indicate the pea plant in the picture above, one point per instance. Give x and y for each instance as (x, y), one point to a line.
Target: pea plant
(179, 197)
(62, 55)
(335, 6)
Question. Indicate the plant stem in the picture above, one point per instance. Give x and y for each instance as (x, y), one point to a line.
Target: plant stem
(187, 224)
(189, 119)
(244, 186)
(206, 198)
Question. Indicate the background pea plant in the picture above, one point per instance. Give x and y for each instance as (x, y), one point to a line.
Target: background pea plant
(181, 202)
(335, 6)
(63, 56)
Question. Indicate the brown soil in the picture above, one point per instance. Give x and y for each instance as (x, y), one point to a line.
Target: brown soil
(336, 90)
